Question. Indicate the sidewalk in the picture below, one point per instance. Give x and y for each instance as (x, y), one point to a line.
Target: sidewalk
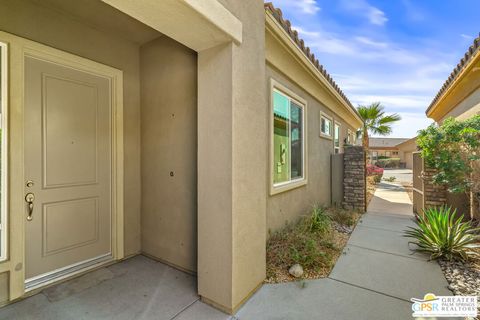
(374, 278)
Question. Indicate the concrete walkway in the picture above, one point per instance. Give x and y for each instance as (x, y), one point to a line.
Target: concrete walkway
(374, 278)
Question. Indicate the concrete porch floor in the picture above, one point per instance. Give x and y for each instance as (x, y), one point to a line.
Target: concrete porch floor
(137, 288)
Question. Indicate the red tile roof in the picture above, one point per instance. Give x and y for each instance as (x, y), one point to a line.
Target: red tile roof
(287, 26)
(474, 48)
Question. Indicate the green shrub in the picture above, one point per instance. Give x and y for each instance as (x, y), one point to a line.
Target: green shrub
(377, 178)
(307, 253)
(388, 163)
(319, 220)
(390, 179)
(440, 234)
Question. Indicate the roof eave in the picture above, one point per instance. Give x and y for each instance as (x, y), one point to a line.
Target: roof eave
(462, 68)
(308, 57)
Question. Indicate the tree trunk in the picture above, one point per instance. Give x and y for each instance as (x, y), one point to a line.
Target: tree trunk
(365, 139)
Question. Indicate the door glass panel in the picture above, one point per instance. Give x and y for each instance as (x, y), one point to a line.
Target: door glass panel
(3, 155)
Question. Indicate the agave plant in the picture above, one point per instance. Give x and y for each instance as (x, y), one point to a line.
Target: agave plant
(440, 234)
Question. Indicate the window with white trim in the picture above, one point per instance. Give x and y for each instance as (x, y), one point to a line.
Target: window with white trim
(336, 138)
(288, 139)
(325, 125)
(3, 151)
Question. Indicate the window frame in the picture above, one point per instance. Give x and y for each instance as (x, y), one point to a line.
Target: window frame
(335, 148)
(4, 150)
(323, 115)
(276, 188)
(388, 154)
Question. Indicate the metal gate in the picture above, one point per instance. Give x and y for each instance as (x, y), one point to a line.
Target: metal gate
(418, 198)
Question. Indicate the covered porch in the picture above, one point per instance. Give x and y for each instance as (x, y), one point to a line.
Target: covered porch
(137, 288)
(156, 140)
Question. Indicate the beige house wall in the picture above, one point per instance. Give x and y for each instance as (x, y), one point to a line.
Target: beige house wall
(467, 108)
(289, 205)
(406, 150)
(169, 152)
(232, 170)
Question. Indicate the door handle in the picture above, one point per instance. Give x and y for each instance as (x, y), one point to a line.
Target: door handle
(29, 198)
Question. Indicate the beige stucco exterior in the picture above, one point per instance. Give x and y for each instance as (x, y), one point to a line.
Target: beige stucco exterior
(287, 206)
(405, 151)
(461, 97)
(169, 152)
(196, 134)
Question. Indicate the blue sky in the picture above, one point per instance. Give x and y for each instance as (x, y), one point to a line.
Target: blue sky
(398, 52)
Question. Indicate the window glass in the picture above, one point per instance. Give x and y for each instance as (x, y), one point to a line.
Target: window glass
(288, 135)
(336, 138)
(296, 144)
(326, 126)
(281, 138)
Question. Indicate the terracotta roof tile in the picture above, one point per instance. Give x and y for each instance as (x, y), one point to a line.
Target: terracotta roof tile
(472, 50)
(287, 26)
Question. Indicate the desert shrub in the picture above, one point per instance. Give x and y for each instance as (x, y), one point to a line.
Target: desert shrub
(319, 221)
(440, 234)
(307, 253)
(390, 179)
(342, 216)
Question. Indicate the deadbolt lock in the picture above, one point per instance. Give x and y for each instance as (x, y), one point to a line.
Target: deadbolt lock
(29, 183)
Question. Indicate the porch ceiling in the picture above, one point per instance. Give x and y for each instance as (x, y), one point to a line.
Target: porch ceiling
(197, 24)
(104, 17)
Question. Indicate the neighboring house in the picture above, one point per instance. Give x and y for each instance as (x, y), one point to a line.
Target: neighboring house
(182, 130)
(406, 150)
(459, 97)
(400, 148)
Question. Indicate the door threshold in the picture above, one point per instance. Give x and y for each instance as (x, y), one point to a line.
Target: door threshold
(66, 272)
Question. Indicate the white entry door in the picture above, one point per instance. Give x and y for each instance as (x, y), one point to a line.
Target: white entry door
(68, 167)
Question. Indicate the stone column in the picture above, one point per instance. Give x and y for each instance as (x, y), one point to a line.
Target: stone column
(434, 195)
(354, 178)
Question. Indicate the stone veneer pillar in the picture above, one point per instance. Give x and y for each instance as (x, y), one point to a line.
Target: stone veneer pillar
(354, 178)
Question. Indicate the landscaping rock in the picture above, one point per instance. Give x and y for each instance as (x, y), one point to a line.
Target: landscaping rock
(463, 277)
(296, 270)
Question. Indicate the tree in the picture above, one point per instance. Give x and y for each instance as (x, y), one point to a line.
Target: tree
(453, 149)
(376, 121)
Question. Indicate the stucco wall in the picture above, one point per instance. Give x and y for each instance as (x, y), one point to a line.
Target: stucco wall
(469, 107)
(231, 163)
(289, 205)
(169, 152)
(60, 30)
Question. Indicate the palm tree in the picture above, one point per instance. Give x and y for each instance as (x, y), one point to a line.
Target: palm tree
(376, 121)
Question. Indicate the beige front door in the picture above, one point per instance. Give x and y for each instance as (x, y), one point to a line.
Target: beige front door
(68, 157)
